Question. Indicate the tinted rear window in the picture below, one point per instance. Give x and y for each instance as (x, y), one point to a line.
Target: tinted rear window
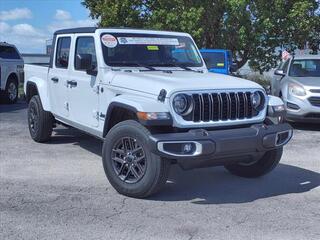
(7, 52)
(63, 49)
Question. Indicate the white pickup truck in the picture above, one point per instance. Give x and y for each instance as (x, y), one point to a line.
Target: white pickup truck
(148, 95)
(11, 71)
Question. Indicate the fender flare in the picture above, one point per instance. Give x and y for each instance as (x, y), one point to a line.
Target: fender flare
(108, 115)
(132, 104)
(41, 90)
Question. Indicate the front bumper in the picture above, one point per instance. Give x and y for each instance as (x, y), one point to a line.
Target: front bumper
(221, 146)
(300, 109)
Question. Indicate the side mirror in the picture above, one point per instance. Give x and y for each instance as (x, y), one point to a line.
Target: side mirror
(279, 72)
(233, 67)
(92, 72)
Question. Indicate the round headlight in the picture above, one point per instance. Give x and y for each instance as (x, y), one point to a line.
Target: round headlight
(182, 104)
(257, 100)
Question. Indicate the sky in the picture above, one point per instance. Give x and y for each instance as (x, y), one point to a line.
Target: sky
(29, 23)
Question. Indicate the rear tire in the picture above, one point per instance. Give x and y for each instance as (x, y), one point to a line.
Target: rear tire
(40, 121)
(124, 145)
(11, 91)
(257, 168)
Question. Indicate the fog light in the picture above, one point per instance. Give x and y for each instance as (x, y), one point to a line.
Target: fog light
(187, 148)
(181, 148)
(292, 106)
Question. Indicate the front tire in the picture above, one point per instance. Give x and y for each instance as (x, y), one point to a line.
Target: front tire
(128, 163)
(11, 91)
(40, 121)
(257, 168)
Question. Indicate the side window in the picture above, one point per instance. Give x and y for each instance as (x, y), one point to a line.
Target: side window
(63, 49)
(85, 53)
(7, 52)
(285, 66)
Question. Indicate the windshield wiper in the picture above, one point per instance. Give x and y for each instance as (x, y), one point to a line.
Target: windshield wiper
(183, 67)
(133, 64)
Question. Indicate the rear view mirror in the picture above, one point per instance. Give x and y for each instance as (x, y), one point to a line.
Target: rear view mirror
(279, 72)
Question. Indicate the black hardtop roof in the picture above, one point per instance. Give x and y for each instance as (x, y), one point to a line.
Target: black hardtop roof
(76, 30)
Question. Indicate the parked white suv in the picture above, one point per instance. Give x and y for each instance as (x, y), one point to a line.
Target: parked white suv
(11, 71)
(149, 97)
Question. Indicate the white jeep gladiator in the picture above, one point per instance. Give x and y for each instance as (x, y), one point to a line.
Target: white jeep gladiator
(148, 95)
(11, 71)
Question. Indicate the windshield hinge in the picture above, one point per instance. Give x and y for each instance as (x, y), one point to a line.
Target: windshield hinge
(96, 89)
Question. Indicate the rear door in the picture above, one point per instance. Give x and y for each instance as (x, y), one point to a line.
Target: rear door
(84, 90)
(59, 75)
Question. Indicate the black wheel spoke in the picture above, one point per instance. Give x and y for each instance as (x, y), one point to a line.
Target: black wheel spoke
(127, 175)
(139, 167)
(134, 172)
(139, 159)
(119, 151)
(121, 169)
(136, 150)
(125, 146)
(119, 160)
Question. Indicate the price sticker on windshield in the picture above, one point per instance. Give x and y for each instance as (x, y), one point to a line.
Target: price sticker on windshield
(109, 41)
(148, 41)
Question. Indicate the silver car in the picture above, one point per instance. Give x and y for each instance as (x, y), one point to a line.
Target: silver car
(297, 82)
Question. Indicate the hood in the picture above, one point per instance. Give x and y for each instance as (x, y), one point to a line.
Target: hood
(152, 82)
(308, 82)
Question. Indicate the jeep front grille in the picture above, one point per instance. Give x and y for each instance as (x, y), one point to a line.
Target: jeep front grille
(222, 106)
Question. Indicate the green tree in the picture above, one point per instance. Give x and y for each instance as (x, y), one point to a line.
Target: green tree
(252, 29)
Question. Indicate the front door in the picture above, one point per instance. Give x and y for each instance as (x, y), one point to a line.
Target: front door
(58, 77)
(84, 88)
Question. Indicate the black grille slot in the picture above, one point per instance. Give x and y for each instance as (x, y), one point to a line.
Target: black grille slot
(224, 105)
(249, 110)
(206, 107)
(315, 90)
(315, 101)
(233, 106)
(221, 107)
(216, 107)
(197, 109)
(241, 105)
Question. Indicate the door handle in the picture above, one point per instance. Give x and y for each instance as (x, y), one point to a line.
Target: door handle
(72, 83)
(55, 79)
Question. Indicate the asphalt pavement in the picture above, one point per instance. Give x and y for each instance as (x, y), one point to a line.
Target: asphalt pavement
(58, 190)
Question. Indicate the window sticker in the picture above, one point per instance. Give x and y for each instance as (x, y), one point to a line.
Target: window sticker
(109, 41)
(153, 48)
(148, 41)
(182, 45)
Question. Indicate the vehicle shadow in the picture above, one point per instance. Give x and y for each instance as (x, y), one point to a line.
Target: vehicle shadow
(306, 126)
(211, 185)
(63, 135)
(217, 186)
(12, 107)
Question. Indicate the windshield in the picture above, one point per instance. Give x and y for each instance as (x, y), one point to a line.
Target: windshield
(214, 59)
(149, 50)
(305, 68)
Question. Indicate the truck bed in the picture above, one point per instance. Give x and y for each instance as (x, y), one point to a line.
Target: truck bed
(35, 71)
